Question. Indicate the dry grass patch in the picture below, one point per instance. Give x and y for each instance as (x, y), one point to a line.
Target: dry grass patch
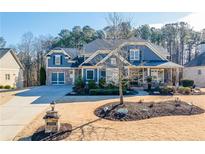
(87, 126)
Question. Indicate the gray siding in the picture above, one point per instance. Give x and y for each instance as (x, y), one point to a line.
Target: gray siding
(146, 54)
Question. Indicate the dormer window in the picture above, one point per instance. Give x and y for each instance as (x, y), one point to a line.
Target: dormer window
(134, 54)
(57, 59)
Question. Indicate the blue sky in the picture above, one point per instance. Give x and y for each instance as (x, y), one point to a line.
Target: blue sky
(13, 25)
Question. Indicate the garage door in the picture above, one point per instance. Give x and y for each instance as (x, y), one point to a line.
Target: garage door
(58, 78)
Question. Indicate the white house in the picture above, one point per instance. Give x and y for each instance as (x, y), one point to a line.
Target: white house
(11, 70)
(195, 70)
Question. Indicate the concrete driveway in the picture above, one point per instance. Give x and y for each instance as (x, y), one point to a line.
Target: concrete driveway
(27, 104)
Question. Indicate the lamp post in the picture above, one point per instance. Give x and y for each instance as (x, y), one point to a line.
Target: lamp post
(52, 104)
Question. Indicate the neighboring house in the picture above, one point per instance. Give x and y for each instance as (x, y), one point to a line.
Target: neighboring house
(11, 70)
(98, 59)
(195, 70)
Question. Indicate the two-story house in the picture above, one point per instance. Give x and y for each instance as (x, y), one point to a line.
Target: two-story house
(98, 59)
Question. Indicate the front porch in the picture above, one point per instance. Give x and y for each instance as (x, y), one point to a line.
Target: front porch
(168, 76)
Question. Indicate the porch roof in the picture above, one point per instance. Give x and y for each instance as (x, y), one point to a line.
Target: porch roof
(158, 64)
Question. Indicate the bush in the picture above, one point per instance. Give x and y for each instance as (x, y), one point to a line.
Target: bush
(42, 76)
(105, 92)
(184, 90)
(79, 85)
(149, 82)
(167, 90)
(111, 85)
(7, 87)
(1, 86)
(92, 84)
(187, 83)
(102, 83)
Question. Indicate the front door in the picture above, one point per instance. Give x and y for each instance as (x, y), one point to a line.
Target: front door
(58, 78)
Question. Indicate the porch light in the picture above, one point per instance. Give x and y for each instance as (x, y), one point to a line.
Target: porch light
(52, 104)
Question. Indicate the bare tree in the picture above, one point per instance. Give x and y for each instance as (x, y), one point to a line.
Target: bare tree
(117, 33)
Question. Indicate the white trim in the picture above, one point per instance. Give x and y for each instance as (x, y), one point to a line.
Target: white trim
(57, 59)
(58, 78)
(135, 58)
(93, 55)
(57, 51)
(86, 74)
(110, 54)
(60, 67)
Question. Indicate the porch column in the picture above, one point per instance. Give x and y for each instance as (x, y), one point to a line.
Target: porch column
(148, 71)
(98, 73)
(143, 75)
(171, 75)
(82, 73)
(177, 77)
(73, 76)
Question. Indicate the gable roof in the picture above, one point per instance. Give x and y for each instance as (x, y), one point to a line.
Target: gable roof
(198, 61)
(3, 52)
(98, 44)
(102, 44)
(71, 52)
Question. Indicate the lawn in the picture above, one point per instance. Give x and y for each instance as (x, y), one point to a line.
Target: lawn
(89, 127)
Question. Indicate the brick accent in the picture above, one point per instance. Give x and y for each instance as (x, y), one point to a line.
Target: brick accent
(68, 75)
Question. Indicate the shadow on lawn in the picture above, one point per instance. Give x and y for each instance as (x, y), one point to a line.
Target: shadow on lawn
(81, 133)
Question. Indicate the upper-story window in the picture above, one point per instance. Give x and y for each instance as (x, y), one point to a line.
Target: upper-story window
(57, 59)
(113, 61)
(134, 54)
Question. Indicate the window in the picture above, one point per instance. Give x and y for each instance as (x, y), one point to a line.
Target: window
(134, 54)
(89, 74)
(113, 61)
(103, 74)
(57, 59)
(199, 72)
(7, 76)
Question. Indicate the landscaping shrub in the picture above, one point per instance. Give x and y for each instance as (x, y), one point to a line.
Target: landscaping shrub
(105, 92)
(167, 90)
(149, 82)
(187, 83)
(92, 84)
(102, 83)
(111, 85)
(7, 87)
(42, 76)
(1, 86)
(79, 85)
(184, 90)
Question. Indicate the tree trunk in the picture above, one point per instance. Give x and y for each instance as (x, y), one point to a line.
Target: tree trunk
(120, 85)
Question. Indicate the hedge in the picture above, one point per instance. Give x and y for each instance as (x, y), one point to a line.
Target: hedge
(105, 92)
(187, 83)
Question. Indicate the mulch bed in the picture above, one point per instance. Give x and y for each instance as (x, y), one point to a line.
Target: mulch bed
(40, 135)
(130, 111)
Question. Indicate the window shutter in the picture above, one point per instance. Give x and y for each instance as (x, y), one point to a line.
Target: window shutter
(61, 60)
(53, 60)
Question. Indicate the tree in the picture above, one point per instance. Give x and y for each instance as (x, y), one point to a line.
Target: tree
(115, 22)
(2, 42)
(26, 56)
(42, 76)
(144, 32)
